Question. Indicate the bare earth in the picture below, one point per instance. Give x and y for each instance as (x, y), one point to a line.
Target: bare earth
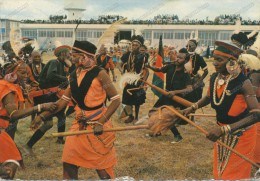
(139, 156)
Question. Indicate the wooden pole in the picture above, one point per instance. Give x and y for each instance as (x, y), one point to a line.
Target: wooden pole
(105, 130)
(175, 98)
(203, 115)
(206, 133)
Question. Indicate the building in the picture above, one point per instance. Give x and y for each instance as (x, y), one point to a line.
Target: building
(5, 28)
(46, 34)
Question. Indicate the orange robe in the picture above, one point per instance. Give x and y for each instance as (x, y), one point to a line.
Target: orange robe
(237, 168)
(90, 151)
(8, 149)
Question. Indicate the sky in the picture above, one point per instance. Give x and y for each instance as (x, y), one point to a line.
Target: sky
(132, 9)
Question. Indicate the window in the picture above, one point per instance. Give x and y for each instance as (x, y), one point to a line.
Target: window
(225, 36)
(168, 35)
(156, 35)
(179, 35)
(98, 34)
(68, 34)
(50, 33)
(89, 34)
(59, 33)
(147, 35)
(81, 35)
(29, 33)
(42, 33)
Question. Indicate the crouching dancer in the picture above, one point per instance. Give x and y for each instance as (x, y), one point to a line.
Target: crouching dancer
(11, 96)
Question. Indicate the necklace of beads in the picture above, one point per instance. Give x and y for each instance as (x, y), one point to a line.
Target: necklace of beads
(35, 71)
(215, 89)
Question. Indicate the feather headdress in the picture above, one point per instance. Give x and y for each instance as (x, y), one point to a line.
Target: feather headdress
(130, 78)
(15, 41)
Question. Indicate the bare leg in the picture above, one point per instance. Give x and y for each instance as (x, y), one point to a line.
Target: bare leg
(137, 108)
(70, 172)
(103, 175)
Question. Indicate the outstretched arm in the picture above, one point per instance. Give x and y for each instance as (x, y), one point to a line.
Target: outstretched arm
(60, 104)
(15, 114)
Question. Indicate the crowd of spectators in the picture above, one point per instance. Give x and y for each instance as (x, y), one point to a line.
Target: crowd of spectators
(159, 19)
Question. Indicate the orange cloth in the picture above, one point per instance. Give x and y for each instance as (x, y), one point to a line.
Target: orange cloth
(237, 168)
(257, 150)
(6, 88)
(238, 106)
(8, 149)
(110, 65)
(90, 151)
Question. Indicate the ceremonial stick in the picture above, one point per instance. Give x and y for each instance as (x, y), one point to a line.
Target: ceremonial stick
(175, 98)
(206, 133)
(104, 130)
(203, 115)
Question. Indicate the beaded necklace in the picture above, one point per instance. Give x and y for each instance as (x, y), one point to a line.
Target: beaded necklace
(35, 71)
(220, 82)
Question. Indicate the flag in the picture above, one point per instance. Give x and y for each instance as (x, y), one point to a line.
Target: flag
(158, 77)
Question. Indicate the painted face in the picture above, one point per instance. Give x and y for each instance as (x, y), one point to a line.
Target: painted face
(83, 60)
(220, 63)
(22, 73)
(191, 46)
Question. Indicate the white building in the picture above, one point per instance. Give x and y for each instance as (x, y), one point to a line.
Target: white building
(75, 9)
(47, 34)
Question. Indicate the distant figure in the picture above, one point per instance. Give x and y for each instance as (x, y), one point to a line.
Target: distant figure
(208, 52)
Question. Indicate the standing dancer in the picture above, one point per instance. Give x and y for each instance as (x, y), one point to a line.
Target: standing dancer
(89, 87)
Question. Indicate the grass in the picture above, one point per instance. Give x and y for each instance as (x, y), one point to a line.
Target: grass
(139, 156)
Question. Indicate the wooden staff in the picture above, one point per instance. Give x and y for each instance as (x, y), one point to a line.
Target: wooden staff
(206, 133)
(175, 98)
(203, 115)
(104, 130)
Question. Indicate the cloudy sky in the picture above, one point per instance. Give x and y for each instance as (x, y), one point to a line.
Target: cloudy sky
(132, 9)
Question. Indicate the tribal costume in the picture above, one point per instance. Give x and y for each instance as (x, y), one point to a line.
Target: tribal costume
(90, 151)
(8, 149)
(232, 108)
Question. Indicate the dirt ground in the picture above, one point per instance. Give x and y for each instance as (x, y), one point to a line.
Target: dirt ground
(139, 156)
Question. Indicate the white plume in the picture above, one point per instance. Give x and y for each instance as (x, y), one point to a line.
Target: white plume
(35, 45)
(107, 36)
(130, 78)
(251, 34)
(15, 40)
(256, 45)
(250, 61)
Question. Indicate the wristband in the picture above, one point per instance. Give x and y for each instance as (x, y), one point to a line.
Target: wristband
(42, 117)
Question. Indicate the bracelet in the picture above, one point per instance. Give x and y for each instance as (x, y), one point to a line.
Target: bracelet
(39, 107)
(194, 106)
(99, 123)
(12, 113)
(42, 117)
(228, 129)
